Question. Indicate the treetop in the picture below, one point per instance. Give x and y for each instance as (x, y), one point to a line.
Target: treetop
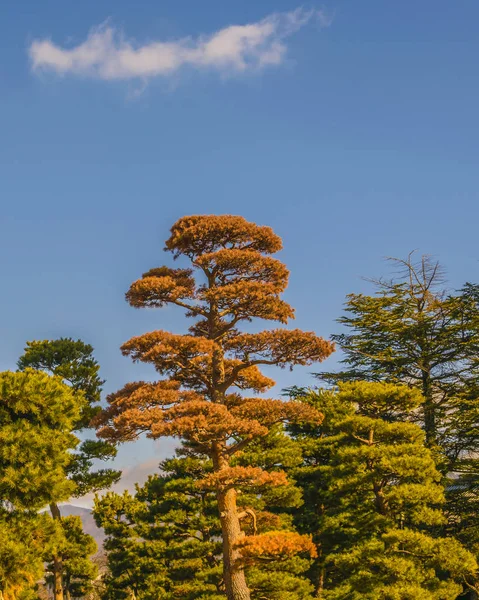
(195, 235)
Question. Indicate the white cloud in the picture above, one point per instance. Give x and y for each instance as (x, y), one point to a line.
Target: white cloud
(106, 54)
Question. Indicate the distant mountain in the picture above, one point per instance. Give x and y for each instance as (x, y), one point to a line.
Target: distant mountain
(89, 525)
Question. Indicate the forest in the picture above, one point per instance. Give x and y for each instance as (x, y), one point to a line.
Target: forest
(363, 485)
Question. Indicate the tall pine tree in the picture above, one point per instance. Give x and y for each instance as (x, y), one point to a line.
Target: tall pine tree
(413, 331)
(199, 401)
(73, 361)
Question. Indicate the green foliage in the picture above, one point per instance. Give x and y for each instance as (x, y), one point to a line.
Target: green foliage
(402, 565)
(411, 331)
(37, 413)
(24, 538)
(81, 470)
(182, 516)
(366, 479)
(165, 541)
(75, 549)
(73, 361)
(280, 581)
(127, 559)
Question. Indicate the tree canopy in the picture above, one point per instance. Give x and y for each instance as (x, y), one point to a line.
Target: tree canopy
(199, 400)
(73, 362)
(374, 497)
(366, 488)
(37, 413)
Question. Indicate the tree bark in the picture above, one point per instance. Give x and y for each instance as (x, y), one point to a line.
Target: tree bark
(233, 573)
(320, 588)
(57, 560)
(429, 409)
(234, 577)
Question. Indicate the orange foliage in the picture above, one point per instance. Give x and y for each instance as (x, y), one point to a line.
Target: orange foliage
(265, 521)
(244, 300)
(137, 407)
(253, 477)
(279, 347)
(161, 409)
(162, 347)
(245, 265)
(159, 286)
(238, 282)
(270, 412)
(202, 234)
(273, 545)
(231, 280)
(250, 378)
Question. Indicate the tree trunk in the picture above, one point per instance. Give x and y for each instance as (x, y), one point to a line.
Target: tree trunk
(429, 409)
(233, 573)
(320, 588)
(57, 560)
(235, 581)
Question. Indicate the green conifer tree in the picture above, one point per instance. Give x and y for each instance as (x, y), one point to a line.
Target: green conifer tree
(37, 413)
(413, 331)
(75, 550)
(73, 361)
(373, 494)
(165, 541)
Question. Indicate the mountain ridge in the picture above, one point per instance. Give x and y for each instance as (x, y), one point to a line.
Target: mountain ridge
(86, 516)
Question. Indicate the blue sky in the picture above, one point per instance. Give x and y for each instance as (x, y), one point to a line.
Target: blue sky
(353, 133)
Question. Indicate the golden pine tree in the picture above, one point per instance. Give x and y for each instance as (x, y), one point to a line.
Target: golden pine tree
(201, 400)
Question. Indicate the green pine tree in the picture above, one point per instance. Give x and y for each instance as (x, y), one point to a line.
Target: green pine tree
(75, 549)
(37, 413)
(413, 331)
(372, 493)
(165, 541)
(73, 361)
